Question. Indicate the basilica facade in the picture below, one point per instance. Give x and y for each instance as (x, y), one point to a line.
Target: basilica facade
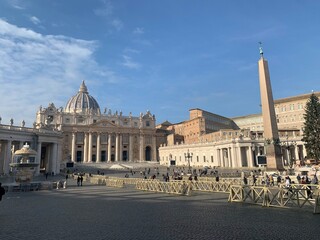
(90, 135)
(80, 132)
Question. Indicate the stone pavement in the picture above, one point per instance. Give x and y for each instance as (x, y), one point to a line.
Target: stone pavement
(99, 212)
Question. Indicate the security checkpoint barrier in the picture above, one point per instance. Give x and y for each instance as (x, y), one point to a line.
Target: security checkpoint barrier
(209, 186)
(172, 187)
(128, 181)
(119, 183)
(297, 195)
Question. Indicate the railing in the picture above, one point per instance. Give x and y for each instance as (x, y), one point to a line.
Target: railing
(209, 186)
(114, 183)
(172, 187)
(297, 195)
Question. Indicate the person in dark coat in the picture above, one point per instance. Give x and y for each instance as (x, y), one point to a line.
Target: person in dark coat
(2, 191)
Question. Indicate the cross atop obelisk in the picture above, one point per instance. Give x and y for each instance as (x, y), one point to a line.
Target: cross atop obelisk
(273, 150)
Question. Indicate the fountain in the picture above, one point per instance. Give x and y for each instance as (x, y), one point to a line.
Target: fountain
(24, 164)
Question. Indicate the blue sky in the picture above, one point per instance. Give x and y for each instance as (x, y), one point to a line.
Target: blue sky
(164, 56)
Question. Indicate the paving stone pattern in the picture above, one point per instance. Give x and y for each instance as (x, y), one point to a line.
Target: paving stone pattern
(100, 212)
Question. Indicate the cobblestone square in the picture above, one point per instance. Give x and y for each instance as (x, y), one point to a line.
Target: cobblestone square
(99, 212)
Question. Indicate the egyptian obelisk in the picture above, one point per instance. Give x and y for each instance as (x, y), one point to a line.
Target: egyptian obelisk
(273, 149)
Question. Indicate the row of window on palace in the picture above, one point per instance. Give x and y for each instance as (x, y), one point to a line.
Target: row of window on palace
(291, 107)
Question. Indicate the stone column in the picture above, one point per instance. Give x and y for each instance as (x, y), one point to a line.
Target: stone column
(85, 147)
(109, 147)
(230, 156)
(239, 157)
(90, 148)
(154, 148)
(98, 159)
(296, 152)
(131, 148)
(38, 158)
(8, 157)
(304, 151)
(250, 158)
(2, 156)
(141, 147)
(120, 148)
(53, 160)
(117, 148)
(59, 155)
(73, 148)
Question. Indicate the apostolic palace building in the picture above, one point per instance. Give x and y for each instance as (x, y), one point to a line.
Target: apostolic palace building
(81, 132)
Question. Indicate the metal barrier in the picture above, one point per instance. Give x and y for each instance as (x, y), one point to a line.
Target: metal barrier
(172, 187)
(297, 195)
(114, 183)
(209, 186)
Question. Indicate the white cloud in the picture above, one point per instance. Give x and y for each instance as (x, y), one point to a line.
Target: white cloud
(138, 30)
(35, 20)
(117, 24)
(36, 69)
(17, 4)
(105, 10)
(129, 63)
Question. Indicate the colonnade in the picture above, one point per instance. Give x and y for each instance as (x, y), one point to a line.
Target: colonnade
(51, 158)
(231, 155)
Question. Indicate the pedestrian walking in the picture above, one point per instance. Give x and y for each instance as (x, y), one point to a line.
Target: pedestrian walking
(81, 180)
(245, 180)
(78, 180)
(2, 191)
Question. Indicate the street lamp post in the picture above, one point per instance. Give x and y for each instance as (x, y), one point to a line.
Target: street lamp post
(188, 157)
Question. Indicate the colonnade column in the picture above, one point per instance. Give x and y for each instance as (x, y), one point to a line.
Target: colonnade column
(8, 157)
(230, 157)
(234, 159)
(2, 156)
(250, 158)
(53, 160)
(98, 159)
(38, 159)
(109, 147)
(85, 146)
(90, 147)
(239, 157)
(73, 147)
(296, 152)
(221, 158)
(304, 151)
(131, 148)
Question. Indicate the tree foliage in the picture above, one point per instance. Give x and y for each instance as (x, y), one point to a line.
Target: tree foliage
(311, 133)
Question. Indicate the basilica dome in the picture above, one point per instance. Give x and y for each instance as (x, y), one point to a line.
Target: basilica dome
(82, 102)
